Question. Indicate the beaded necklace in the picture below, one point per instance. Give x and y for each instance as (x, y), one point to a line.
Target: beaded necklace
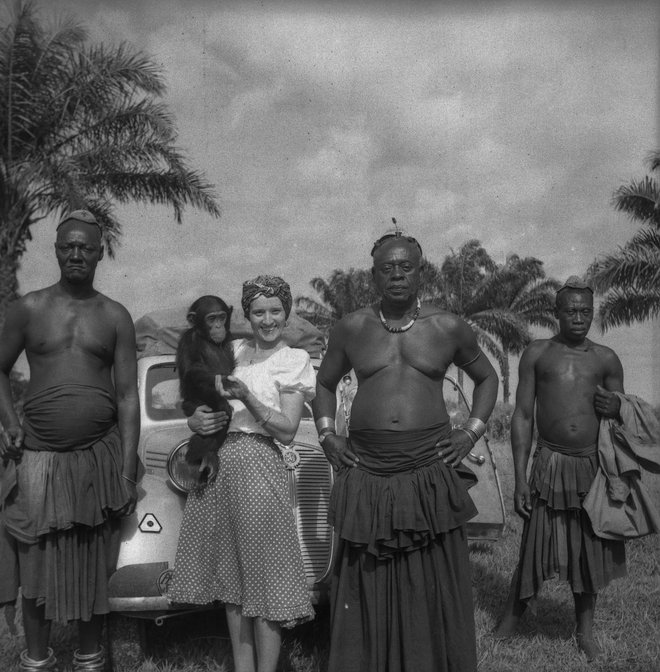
(405, 327)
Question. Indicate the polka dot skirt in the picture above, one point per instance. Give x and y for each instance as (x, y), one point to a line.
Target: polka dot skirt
(238, 541)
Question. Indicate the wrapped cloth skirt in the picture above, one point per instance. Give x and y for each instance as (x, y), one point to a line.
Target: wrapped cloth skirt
(61, 512)
(558, 540)
(402, 590)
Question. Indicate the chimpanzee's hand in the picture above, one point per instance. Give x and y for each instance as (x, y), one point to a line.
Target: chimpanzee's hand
(234, 388)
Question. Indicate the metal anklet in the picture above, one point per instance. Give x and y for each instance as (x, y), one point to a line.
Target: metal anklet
(89, 662)
(29, 665)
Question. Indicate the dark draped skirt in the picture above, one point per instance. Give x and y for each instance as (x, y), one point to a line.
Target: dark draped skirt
(402, 592)
(558, 540)
(61, 511)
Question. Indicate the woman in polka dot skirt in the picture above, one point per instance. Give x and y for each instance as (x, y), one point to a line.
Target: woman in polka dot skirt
(238, 542)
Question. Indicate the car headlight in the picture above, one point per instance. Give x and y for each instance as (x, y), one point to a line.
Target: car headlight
(184, 476)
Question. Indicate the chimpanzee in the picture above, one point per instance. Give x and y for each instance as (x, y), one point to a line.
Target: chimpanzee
(202, 354)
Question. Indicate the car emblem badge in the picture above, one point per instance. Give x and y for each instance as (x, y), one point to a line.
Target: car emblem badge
(164, 581)
(290, 457)
(149, 523)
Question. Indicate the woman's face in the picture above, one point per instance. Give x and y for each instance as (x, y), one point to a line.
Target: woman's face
(267, 318)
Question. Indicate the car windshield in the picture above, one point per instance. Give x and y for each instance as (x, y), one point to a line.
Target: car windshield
(162, 399)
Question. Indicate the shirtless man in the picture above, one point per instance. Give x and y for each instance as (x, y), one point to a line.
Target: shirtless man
(73, 460)
(571, 380)
(401, 594)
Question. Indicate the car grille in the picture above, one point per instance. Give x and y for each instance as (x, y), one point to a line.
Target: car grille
(155, 460)
(310, 485)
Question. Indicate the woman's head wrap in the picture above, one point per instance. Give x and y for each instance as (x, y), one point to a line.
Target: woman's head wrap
(268, 286)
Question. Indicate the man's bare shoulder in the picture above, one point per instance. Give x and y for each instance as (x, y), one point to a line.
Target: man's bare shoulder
(35, 300)
(442, 319)
(355, 320)
(537, 348)
(603, 352)
(114, 308)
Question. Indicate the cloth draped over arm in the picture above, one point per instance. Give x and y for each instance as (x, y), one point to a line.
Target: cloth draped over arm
(624, 499)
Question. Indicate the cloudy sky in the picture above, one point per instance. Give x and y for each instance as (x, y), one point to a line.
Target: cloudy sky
(317, 122)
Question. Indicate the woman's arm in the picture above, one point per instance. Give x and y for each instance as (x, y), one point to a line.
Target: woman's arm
(281, 425)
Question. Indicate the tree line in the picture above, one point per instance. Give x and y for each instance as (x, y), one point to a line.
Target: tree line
(501, 302)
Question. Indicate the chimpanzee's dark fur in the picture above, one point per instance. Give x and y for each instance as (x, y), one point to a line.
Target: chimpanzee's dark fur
(199, 360)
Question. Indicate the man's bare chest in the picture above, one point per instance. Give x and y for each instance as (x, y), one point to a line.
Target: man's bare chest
(569, 368)
(86, 332)
(380, 350)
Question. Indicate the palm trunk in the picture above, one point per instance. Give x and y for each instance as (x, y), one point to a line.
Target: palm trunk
(8, 284)
(459, 377)
(506, 375)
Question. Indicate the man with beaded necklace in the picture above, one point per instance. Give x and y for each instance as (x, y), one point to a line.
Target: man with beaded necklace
(401, 593)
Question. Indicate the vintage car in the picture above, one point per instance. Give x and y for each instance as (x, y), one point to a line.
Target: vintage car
(139, 585)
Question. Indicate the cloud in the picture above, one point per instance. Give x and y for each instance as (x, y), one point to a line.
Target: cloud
(508, 122)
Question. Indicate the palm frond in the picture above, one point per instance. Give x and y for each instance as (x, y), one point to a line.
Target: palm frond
(488, 343)
(653, 160)
(640, 200)
(626, 306)
(83, 124)
(506, 326)
(635, 265)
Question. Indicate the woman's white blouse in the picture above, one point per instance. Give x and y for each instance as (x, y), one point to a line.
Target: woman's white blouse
(286, 370)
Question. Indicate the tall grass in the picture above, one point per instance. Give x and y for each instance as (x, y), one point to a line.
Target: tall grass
(627, 620)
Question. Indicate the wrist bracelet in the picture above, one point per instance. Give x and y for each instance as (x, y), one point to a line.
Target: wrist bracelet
(472, 433)
(468, 432)
(477, 426)
(264, 420)
(130, 480)
(326, 422)
(324, 433)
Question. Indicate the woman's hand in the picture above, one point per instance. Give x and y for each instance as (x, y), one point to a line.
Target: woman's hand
(234, 388)
(204, 421)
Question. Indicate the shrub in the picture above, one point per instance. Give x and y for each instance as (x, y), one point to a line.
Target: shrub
(18, 384)
(499, 423)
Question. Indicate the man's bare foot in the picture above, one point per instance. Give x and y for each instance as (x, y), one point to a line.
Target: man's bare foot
(588, 645)
(507, 628)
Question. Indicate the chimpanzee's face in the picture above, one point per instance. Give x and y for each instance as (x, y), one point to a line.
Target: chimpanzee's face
(215, 322)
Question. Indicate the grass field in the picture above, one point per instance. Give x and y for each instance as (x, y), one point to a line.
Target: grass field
(627, 621)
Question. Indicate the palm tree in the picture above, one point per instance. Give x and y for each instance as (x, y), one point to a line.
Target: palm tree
(346, 291)
(343, 293)
(453, 288)
(520, 289)
(81, 127)
(500, 303)
(629, 278)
